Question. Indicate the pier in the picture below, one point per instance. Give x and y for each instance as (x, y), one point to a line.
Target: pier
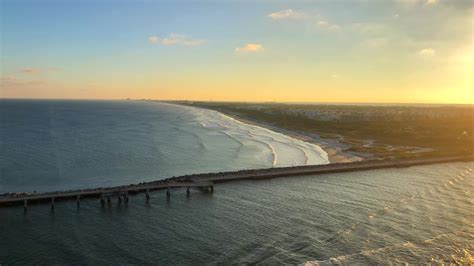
(120, 192)
(205, 182)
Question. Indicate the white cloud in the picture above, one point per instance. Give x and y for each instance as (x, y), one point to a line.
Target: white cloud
(408, 2)
(250, 48)
(324, 24)
(176, 39)
(311, 17)
(334, 27)
(181, 39)
(335, 76)
(153, 39)
(416, 2)
(368, 28)
(287, 14)
(431, 2)
(427, 52)
(376, 42)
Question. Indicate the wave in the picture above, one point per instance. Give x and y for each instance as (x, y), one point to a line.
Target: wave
(274, 157)
(240, 143)
(196, 136)
(283, 150)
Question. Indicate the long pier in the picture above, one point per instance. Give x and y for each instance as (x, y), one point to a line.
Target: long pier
(121, 192)
(205, 182)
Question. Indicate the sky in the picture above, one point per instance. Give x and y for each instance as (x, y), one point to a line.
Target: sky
(387, 51)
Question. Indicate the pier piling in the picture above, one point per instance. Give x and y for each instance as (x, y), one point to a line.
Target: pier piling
(168, 193)
(187, 192)
(102, 201)
(52, 203)
(108, 199)
(25, 204)
(147, 195)
(78, 201)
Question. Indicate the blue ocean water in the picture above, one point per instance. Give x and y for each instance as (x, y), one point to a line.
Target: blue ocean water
(415, 215)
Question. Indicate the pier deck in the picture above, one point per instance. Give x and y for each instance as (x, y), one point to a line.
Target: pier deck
(98, 192)
(206, 181)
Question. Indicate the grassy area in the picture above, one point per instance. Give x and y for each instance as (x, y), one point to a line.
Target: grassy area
(384, 131)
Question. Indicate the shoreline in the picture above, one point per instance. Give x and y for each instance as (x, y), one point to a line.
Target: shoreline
(334, 150)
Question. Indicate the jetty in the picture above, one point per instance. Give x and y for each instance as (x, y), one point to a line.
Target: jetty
(205, 182)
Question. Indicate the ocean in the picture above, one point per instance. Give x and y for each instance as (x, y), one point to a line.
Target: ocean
(57, 145)
(412, 215)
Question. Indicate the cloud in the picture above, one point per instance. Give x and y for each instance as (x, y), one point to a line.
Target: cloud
(408, 2)
(12, 82)
(334, 27)
(376, 42)
(35, 70)
(416, 2)
(431, 2)
(250, 48)
(368, 28)
(8, 79)
(153, 39)
(324, 24)
(311, 18)
(286, 14)
(181, 39)
(176, 39)
(427, 52)
(31, 70)
(335, 76)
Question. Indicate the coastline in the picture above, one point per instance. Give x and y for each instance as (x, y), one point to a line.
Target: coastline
(335, 151)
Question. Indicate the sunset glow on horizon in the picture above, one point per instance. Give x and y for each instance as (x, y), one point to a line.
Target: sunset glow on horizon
(399, 51)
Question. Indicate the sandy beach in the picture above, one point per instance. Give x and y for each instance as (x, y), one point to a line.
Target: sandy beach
(336, 151)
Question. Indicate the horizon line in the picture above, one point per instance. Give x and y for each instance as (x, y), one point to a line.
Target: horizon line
(232, 101)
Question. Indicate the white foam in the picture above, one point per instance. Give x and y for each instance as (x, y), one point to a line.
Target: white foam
(278, 149)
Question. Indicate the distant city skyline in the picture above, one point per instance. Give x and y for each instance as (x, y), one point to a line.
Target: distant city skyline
(398, 51)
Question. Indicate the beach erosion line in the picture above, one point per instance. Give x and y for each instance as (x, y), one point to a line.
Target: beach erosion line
(283, 150)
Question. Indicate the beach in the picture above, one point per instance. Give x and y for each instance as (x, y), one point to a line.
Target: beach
(336, 151)
(287, 148)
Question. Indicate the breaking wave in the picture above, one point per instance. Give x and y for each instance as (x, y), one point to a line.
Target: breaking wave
(280, 150)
